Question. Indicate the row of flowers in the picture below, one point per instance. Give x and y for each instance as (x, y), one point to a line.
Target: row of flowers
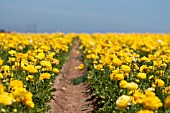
(29, 64)
(128, 72)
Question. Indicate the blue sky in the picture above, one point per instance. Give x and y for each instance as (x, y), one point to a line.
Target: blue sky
(85, 15)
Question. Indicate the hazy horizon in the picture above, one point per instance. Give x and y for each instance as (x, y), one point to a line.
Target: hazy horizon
(85, 16)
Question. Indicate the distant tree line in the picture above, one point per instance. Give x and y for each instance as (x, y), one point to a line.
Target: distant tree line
(3, 31)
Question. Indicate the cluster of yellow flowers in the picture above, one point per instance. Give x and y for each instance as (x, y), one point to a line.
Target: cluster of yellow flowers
(138, 62)
(26, 58)
(16, 93)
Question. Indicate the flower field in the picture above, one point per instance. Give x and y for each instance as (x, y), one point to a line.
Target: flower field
(126, 72)
(29, 64)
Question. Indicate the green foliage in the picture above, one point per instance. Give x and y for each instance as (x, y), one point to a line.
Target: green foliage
(79, 80)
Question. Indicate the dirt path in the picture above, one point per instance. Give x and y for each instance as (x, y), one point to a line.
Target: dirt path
(70, 98)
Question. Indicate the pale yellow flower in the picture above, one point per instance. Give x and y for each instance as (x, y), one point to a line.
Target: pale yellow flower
(122, 102)
(132, 86)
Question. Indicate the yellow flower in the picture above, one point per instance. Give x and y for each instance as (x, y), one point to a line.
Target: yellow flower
(55, 70)
(55, 61)
(160, 72)
(132, 86)
(44, 76)
(40, 56)
(27, 99)
(11, 59)
(117, 61)
(95, 56)
(5, 99)
(142, 68)
(159, 82)
(150, 101)
(125, 68)
(38, 67)
(153, 85)
(94, 62)
(122, 102)
(116, 76)
(137, 80)
(12, 52)
(16, 84)
(98, 67)
(30, 104)
(123, 84)
(149, 93)
(45, 63)
(119, 77)
(1, 75)
(81, 66)
(24, 96)
(157, 63)
(1, 61)
(14, 110)
(88, 56)
(31, 69)
(145, 111)
(50, 56)
(30, 78)
(128, 59)
(167, 102)
(138, 96)
(5, 68)
(45, 48)
(145, 59)
(141, 75)
(136, 67)
(151, 77)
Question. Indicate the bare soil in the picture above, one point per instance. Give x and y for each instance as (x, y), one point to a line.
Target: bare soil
(71, 98)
